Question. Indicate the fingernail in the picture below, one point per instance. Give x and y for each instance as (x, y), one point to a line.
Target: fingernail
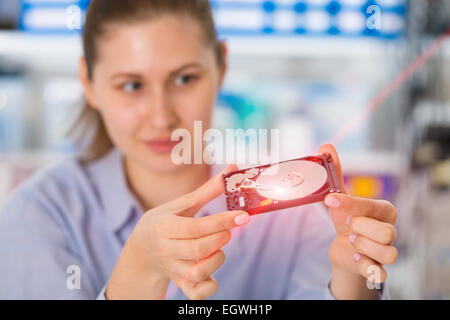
(347, 222)
(356, 257)
(242, 219)
(352, 238)
(331, 201)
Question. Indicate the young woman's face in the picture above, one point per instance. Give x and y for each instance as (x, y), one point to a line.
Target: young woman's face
(151, 78)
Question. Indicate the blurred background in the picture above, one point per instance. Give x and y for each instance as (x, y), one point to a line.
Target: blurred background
(318, 70)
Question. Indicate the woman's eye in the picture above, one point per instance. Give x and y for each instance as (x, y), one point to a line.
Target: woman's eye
(132, 86)
(185, 79)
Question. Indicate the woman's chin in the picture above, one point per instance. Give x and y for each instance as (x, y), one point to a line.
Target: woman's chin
(161, 162)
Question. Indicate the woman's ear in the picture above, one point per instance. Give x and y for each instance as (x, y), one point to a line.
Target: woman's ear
(86, 82)
(224, 66)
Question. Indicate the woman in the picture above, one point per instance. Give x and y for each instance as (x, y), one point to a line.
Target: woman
(78, 229)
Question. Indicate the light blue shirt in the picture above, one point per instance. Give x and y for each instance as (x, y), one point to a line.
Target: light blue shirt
(68, 223)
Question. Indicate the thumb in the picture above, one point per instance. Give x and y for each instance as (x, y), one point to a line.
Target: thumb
(329, 148)
(339, 219)
(213, 188)
(192, 202)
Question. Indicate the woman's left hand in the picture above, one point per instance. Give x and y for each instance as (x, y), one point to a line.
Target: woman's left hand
(365, 232)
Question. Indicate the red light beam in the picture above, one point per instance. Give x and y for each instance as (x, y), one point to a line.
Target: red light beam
(387, 91)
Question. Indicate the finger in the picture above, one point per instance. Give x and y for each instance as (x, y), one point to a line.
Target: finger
(197, 291)
(378, 231)
(345, 205)
(203, 269)
(383, 254)
(343, 253)
(328, 148)
(370, 269)
(190, 203)
(197, 249)
(176, 227)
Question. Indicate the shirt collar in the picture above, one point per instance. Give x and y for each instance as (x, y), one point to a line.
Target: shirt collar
(108, 174)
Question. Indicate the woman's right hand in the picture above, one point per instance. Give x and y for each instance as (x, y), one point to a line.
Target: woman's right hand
(168, 243)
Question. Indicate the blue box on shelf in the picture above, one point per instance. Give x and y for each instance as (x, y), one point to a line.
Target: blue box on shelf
(52, 17)
(348, 18)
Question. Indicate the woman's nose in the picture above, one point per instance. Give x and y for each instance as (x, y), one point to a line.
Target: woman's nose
(160, 112)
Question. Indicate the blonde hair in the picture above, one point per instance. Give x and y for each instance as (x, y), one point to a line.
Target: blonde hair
(89, 129)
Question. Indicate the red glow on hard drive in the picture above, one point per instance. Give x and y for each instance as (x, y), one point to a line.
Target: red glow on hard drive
(282, 185)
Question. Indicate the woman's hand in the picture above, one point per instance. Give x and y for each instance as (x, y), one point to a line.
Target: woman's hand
(168, 243)
(364, 243)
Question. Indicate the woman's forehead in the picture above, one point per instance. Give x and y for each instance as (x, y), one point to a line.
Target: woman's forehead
(165, 42)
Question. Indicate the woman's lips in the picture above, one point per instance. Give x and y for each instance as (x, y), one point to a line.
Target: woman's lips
(162, 145)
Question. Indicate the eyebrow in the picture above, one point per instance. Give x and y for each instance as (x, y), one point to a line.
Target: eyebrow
(187, 66)
(138, 76)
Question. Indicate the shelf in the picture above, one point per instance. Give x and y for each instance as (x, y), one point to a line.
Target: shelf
(382, 162)
(41, 52)
(49, 52)
(23, 44)
(311, 47)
